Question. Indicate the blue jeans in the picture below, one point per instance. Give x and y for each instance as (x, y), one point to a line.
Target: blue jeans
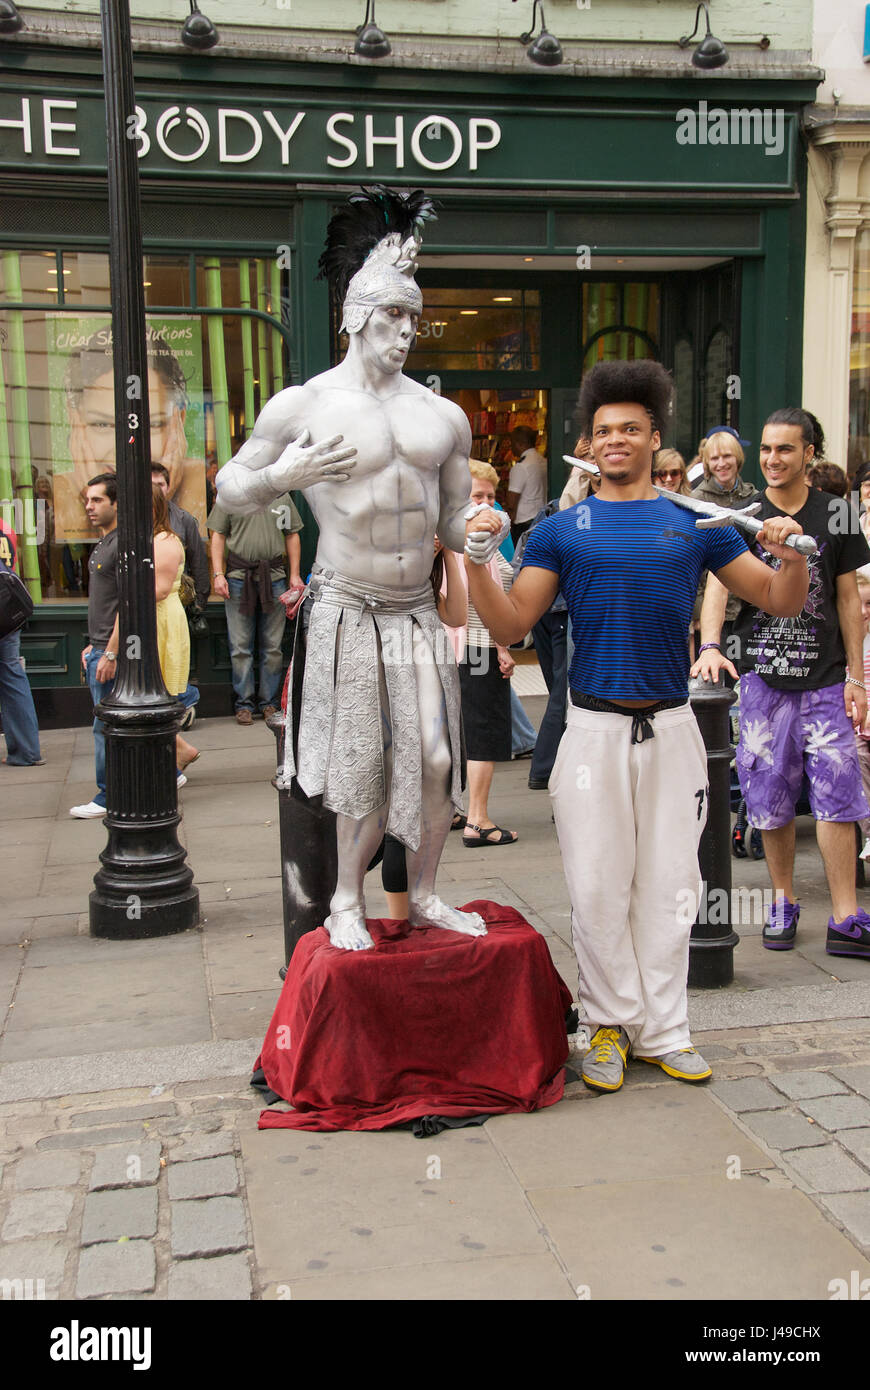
(550, 635)
(268, 629)
(522, 729)
(16, 706)
(98, 689)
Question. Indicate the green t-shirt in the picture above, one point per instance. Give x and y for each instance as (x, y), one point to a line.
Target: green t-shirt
(260, 536)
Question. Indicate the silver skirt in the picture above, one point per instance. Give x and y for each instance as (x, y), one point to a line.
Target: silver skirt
(359, 695)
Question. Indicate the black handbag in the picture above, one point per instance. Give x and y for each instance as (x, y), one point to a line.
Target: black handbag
(16, 605)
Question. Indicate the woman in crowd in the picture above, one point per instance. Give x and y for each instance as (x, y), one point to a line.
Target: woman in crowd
(723, 458)
(485, 670)
(173, 634)
(669, 471)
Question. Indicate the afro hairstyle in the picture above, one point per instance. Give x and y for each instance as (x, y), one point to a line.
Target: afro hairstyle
(648, 383)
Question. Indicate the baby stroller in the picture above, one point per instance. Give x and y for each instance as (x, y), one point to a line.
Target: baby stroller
(745, 839)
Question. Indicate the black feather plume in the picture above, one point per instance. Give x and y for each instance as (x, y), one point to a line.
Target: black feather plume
(366, 219)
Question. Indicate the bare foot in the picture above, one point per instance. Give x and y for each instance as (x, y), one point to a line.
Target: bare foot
(347, 930)
(432, 912)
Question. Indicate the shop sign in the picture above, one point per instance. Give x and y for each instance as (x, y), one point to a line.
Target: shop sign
(508, 145)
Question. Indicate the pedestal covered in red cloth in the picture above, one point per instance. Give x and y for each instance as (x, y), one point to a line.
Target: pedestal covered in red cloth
(429, 1022)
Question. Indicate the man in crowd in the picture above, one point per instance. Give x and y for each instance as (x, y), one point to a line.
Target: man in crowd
(550, 636)
(98, 660)
(527, 485)
(628, 564)
(195, 564)
(798, 704)
(20, 727)
(249, 557)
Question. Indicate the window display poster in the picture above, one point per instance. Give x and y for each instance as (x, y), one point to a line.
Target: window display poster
(82, 412)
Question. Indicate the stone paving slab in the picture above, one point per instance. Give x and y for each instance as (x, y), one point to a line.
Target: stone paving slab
(782, 1129)
(208, 1177)
(42, 1259)
(828, 1169)
(352, 1202)
(226, 1277)
(856, 1077)
(125, 1165)
(37, 1214)
(665, 1229)
(214, 1226)
(853, 1210)
(137, 1067)
(590, 1141)
(502, 1278)
(48, 1170)
(118, 1214)
(747, 1095)
(838, 1112)
(116, 1268)
(857, 1143)
(804, 1085)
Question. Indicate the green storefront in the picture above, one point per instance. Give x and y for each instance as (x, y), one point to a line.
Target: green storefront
(578, 220)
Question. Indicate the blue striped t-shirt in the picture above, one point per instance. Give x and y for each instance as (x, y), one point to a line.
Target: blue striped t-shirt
(629, 572)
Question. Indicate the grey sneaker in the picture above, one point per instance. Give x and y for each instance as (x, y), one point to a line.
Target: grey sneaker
(604, 1063)
(684, 1063)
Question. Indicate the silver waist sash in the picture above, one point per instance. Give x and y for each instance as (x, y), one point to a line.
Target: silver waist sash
(359, 695)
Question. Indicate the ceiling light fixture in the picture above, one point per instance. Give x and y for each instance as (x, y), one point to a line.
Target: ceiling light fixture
(371, 42)
(711, 52)
(10, 19)
(545, 51)
(198, 31)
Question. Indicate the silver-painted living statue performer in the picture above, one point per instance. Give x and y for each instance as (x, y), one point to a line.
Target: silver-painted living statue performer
(379, 730)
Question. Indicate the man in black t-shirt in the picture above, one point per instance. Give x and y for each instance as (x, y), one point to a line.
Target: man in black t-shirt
(100, 656)
(801, 691)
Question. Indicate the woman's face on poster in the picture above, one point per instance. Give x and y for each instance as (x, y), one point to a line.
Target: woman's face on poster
(92, 433)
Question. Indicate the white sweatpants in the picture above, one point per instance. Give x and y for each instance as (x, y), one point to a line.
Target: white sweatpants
(629, 818)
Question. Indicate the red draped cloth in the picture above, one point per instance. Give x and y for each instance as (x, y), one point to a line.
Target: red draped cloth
(429, 1022)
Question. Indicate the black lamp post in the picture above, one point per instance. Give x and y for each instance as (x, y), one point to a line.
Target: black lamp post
(145, 887)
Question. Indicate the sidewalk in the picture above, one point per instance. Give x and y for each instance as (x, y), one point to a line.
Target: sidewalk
(130, 1160)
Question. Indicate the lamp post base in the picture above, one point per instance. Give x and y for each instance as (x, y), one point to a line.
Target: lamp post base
(711, 962)
(111, 917)
(145, 886)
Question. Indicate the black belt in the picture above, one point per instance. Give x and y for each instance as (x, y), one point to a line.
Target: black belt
(641, 728)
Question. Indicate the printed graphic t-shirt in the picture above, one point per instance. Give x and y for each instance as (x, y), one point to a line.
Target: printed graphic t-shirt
(629, 572)
(806, 652)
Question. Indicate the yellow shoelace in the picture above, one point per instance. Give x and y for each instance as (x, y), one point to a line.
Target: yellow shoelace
(604, 1048)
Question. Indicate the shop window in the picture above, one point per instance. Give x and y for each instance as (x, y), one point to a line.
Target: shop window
(478, 330)
(717, 365)
(620, 321)
(212, 367)
(492, 414)
(859, 363)
(684, 390)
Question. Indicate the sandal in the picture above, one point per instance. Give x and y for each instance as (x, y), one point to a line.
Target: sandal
(459, 821)
(505, 837)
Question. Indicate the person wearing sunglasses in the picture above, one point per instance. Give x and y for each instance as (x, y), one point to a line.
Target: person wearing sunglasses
(669, 471)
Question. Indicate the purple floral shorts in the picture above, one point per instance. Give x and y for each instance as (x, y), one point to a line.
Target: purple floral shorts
(786, 733)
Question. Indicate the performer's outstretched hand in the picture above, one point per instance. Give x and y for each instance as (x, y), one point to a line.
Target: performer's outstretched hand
(302, 464)
(484, 532)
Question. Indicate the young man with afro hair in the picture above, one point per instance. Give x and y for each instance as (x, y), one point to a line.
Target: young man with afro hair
(629, 786)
